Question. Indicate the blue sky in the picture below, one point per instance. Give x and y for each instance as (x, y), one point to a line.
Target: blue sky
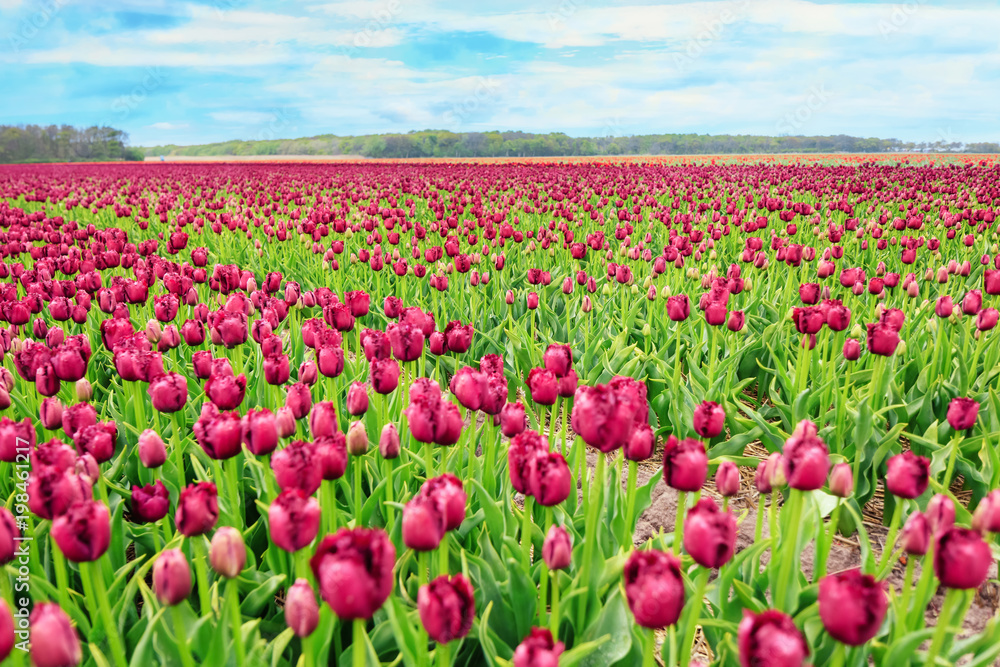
(193, 72)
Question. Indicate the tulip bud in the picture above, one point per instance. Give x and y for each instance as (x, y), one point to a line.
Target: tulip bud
(285, 422)
(357, 399)
(293, 518)
(907, 475)
(54, 641)
(301, 608)
(770, 633)
(841, 480)
(709, 534)
(83, 533)
(654, 588)
(709, 419)
(538, 650)
(940, 513)
(961, 559)
(447, 607)
(557, 549)
(727, 479)
(915, 537)
(152, 450)
(357, 439)
(852, 606)
(388, 442)
(171, 577)
(50, 413)
(227, 553)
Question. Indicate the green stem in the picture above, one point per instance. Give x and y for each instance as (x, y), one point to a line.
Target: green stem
(442, 551)
(178, 450)
(697, 600)
(555, 616)
(590, 537)
(180, 634)
(820, 571)
(915, 618)
(713, 353)
(62, 578)
(839, 654)
(951, 599)
(232, 469)
(679, 520)
(389, 495)
(356, 462)
(358, 643)
(444, 655)
(92, 571)
(630, 493)
(790, 557)
(649, 651)
(543, 585)
(758, 532)
(904, 600)
(200, 556)
(952, 455)
(233, 593)
(890, 540)
(526, 530)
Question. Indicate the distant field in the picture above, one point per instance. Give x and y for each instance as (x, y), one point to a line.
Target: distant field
(784, 158)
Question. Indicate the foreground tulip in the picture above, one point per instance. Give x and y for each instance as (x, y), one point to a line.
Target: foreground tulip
(852, 606)
(54, 641)
(6, 630)
(423, 523)
(558, 359)
(323, 419)
(357, 399)
(260, 431)
(447, 608)
(557, 549)
(916, 535)
(961, 558)
(293, 518)
(83, 533)
(727, 479)
(709, 534)
(227, 554)
(220, 434)
(685, 464)
(152, 450)
(654, 588)
(197, 509)
(150, 503)
(171, 577)
(770, 638)
(512, 419)
(301, 609)
(709, 419)
(549, 480)
(908, 475)
(962, 413)
(538, 649)
(388, 442)
(842, 480)
(805, 458)
(9, 536)
(297, 466)
(354, 571)
(940, 513)
(168, 392)
(543, 385)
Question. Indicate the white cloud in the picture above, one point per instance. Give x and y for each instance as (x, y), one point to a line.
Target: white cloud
(169, 126)
(243, 117)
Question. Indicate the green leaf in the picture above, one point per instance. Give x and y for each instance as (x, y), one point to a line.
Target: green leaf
(260, 596)
(613, 621)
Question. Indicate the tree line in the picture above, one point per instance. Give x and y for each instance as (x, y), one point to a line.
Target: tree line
(442, 143)
(64, 143)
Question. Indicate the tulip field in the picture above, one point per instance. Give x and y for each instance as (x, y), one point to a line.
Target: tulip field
(411, 414)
